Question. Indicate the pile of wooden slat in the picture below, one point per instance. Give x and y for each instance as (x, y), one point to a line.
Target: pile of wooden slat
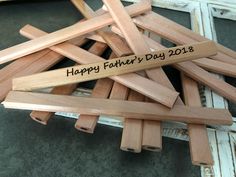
(142, 99)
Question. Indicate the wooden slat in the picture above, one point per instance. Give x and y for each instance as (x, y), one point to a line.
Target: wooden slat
(113, 67)
(131, 109)
(102, 89)
(132, 35)
(179, 34)
(202, 76)
(16, 66)
(65, 34)
(133, 81)
(111, 39)
(217, 66)
(133, 129)
(43, 117)
(38, 65)
(198, 137)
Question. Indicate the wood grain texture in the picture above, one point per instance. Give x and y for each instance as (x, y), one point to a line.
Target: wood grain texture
(131, 109)
(198, 138)
(133, 81)
(65, 34)
(102, 89)
(179, 34)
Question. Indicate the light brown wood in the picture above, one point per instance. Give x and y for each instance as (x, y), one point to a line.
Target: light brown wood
(111, 39)
(202, 76)
(16, 66)
(217, 66)
(65, 34)
(131, 109)
(179, 34)
(87, 122)
(38, 65)
(63, 76)
(43, 117)
(198, 138)
(41, 64)
(133, 81)
(102, 89)
(133, 129)
(131, 34)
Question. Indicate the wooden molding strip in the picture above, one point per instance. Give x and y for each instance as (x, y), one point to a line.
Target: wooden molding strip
(43, 117)
(65, 34)
(131, 109)
(168, 31)
(198, 138)
(133, 81)
(102, 89)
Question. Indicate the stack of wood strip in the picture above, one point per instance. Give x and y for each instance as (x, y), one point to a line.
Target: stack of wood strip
(131, 84)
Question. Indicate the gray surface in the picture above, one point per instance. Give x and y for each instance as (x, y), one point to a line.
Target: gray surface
(31, 150)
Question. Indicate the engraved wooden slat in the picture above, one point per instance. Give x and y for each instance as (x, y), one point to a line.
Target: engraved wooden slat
(133, 81)
(202, 76)
(65, 34)
(179, 35)
(43, 117)
(102, 89)
(131, 109)
(198, 138)
(215, 66)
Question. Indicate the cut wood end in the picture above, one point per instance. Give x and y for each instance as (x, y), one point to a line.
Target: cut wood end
(205, 164)
(37, 119)
(84, 129)
(129, 149)
(152, 148)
